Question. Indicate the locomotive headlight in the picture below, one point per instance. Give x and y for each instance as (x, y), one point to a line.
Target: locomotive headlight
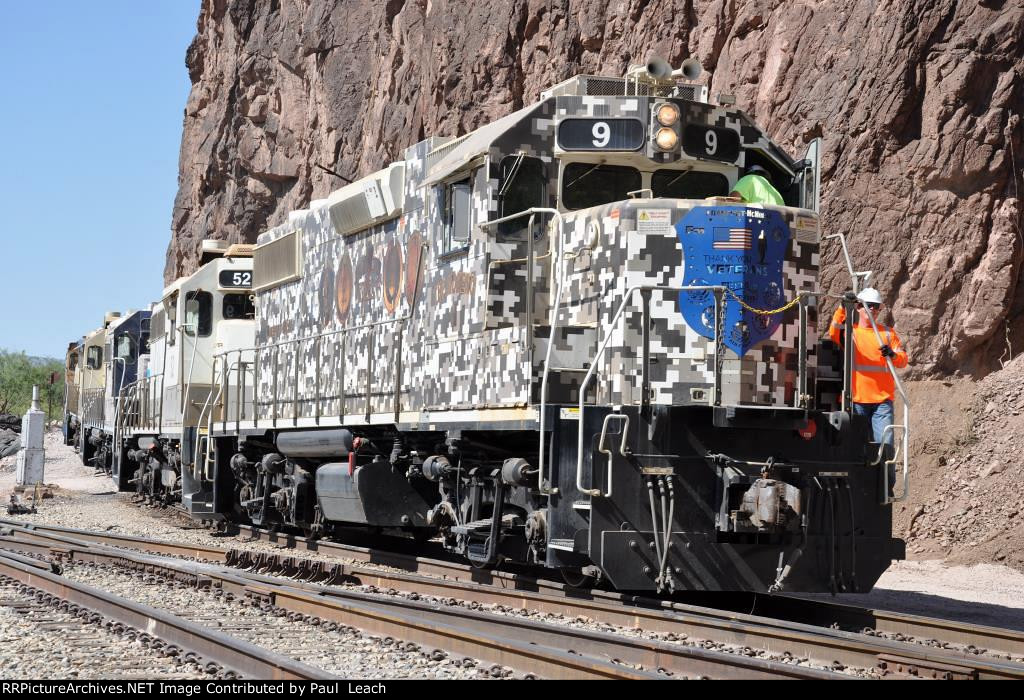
(666, 139)
(667, 114)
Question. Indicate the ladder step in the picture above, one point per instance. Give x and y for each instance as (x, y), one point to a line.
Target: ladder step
(483, 527)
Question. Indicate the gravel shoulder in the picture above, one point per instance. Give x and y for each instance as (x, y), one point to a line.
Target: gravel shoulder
(985, 594)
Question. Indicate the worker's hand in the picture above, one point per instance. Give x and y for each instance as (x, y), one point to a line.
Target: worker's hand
(887, 351)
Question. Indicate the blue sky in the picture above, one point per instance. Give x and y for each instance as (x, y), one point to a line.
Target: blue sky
(91, 118)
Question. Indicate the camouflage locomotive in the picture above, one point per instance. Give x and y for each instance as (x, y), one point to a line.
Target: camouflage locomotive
(556, 340)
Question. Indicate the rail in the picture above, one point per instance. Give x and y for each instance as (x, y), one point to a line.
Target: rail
(821, 631)
(899, 432)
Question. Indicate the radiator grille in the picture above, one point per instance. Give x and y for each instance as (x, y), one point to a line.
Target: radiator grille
(277, 262)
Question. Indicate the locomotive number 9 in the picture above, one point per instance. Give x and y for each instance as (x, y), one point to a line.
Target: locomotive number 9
(712, 143)
(600, 134)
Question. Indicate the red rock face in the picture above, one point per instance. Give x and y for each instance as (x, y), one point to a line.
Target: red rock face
(919, 103)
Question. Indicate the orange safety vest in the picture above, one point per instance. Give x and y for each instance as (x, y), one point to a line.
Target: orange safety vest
(872, 382)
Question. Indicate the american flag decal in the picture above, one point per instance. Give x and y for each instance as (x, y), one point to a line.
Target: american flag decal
(732, 239)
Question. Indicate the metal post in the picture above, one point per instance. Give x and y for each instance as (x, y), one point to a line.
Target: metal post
(719, 342)
(369, 370)
(295, 393)
(277, 357)
(239, 394)
(163, 393)
(529, 297)
(645, 384)
(801, 401)
(255, 386)
(316, 380)
(398, 370)
(341, 380)
(850, 304)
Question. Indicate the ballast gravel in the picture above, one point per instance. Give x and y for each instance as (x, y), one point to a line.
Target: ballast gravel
(339, 650)
(39, 641)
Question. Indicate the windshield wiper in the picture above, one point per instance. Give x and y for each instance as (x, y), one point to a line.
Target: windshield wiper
(583, 175)
(676, 179)
(512, 174)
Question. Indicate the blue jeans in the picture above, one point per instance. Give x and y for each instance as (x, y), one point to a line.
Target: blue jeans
(880, 415)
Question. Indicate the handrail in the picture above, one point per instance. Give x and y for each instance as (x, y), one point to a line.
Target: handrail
(141, 390)
(552, 319)
(623, 450)
(297, 342)
(626, 299)
(904, 429)
(854, 275)
(719, 292)
(220, 386)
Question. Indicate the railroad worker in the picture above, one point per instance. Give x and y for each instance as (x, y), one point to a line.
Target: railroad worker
(755, 187)
(873, 386)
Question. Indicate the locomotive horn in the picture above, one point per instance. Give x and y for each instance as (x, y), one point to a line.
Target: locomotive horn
(690, 70)
(658, 68)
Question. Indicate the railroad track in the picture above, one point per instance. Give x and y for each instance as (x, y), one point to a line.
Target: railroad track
(534, 648)
(220, 654)
(671, 619)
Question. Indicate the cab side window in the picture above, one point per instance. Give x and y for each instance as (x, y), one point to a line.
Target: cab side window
(144, 336)
(199, 314)
(124, 348)
(523, 186)
(94, 357)
(456, 210)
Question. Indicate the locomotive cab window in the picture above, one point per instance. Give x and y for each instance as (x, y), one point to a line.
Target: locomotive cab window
(455, 215)
(238, 306)
(199, 314)
(144, 332)
(94, 357)
(523, 185)
(124, 348)
(688, 184)
(171, 306)
(590, 184)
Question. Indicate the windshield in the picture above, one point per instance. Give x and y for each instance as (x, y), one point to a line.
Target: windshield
(688, 184)
(589, 184)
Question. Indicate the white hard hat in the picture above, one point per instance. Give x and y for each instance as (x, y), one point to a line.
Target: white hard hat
(869, 295)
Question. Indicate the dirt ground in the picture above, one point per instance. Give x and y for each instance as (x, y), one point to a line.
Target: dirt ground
(967, 505)
(982, 593)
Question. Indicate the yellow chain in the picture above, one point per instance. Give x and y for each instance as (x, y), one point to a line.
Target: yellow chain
(764, 312)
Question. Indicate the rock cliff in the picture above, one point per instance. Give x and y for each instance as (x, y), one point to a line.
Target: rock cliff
(919, 103)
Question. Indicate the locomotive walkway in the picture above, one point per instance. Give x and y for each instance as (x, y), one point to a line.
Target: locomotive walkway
(719, 643)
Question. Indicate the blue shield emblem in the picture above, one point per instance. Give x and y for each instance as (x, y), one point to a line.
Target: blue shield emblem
(741, 248)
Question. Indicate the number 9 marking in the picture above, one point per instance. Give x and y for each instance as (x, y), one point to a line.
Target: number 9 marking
(602, 134)
(711, 139)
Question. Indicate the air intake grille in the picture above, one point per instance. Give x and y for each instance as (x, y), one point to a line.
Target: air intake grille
(277, 262)
(599, 86)
(435, 156)
(156, 325)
